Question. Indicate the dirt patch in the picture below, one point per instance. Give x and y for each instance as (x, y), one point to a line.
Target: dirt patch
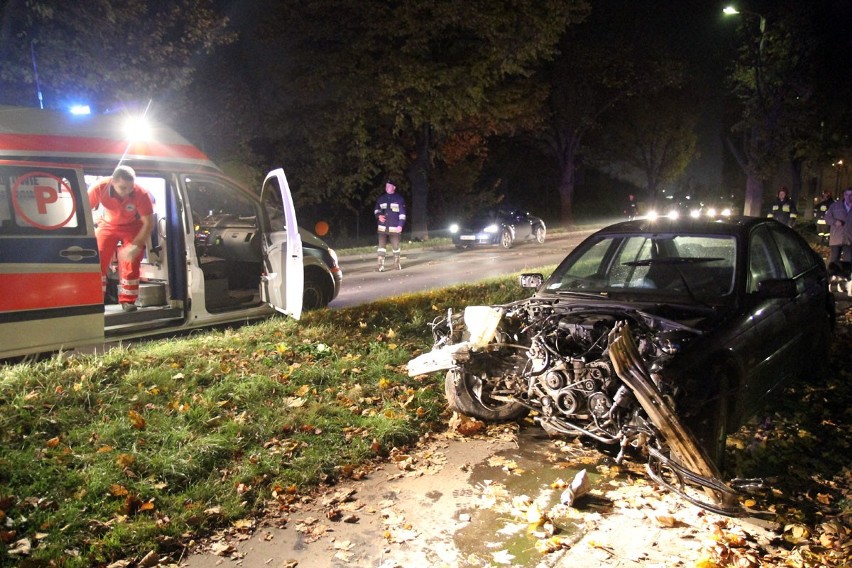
(488, 500)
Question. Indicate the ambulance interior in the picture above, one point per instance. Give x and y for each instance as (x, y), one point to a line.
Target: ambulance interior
(226, 253)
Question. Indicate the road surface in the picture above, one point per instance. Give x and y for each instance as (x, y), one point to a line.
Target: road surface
(426, 269)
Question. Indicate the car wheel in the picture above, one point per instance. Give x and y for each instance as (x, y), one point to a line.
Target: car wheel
(461, 247)
(539, 233)
(506, 239)
(459, 387)
(315, 295)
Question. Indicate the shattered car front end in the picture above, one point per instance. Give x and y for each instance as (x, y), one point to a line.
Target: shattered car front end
(642, 341)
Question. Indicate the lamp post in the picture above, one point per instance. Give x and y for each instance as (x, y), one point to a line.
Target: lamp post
(733, 11)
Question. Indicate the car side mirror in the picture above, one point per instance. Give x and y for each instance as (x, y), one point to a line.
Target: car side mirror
(531, 280)
(776, 288)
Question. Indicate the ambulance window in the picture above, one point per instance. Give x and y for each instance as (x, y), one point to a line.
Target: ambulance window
(274, 206)
(33, 201)
(215, 201)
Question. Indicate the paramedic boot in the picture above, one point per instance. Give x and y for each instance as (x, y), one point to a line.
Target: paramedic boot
(381, 264)
(396, 261)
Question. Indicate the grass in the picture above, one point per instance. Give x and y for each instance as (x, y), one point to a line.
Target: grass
(108, 457)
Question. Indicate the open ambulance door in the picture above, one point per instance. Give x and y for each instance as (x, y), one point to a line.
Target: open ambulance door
(50, 274)
(282, 284)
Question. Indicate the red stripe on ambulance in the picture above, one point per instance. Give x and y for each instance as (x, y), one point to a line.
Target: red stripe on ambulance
(49, 290)
(77, 145)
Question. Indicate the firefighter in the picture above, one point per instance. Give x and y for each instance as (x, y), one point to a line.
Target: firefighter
(784, 210)
(390, 216)
(128, 216)
(821, 205)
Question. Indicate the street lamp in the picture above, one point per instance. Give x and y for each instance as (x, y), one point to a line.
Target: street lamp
(732, 11)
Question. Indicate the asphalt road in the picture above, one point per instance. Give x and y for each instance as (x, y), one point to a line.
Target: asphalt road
(427, 269)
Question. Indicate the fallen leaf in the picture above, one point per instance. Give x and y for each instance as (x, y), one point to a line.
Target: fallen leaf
(136, 420)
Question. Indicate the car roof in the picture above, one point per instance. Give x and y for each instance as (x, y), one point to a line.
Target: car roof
(733, 226)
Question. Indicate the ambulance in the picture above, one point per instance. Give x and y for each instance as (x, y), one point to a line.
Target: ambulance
(218, 252)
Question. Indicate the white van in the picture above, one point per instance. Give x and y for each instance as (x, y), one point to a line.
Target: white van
(218, 252)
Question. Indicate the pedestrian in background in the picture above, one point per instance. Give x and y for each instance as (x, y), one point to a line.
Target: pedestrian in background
(631, 208)
(128, 217)
(390, 216)
(839, 219)
(784, 210)
(821, 205)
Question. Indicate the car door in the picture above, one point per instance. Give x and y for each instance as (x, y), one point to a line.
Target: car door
(284, 278)
(49, 268)
(806, 314)
(769, 349)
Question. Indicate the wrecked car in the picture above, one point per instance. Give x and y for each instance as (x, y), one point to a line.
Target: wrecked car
(653, 338)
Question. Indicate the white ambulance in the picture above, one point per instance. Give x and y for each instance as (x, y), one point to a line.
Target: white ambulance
(218, 253)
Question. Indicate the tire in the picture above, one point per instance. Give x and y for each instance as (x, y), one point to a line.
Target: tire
(459, 389)
(315, 295)
(539, 234)
(711, 426)
(506, 239)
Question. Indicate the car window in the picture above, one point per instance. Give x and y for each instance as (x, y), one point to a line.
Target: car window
(797, 257)
(763, 260)
(678, 265)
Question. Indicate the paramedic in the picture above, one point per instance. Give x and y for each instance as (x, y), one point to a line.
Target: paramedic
(390, 216)
(127, 218)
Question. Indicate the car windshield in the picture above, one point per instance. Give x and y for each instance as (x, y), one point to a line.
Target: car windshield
(693, 266)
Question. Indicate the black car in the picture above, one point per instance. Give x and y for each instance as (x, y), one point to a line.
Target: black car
(654, 338)
(499, 227)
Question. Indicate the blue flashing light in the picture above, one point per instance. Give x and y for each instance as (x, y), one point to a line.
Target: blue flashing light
(79, 110)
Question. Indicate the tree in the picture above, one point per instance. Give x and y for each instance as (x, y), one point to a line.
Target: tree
(107, 53)
(655, 138)
(773, 80)
(383, 87)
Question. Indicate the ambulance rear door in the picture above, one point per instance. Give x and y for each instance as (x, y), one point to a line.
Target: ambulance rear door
(283, 281)
(49, 267)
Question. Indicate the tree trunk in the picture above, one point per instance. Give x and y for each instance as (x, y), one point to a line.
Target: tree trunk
(418, 175)
(754, 194)
(567, 182)
(796, 182)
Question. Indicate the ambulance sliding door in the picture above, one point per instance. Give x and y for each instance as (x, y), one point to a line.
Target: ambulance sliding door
(50, 282)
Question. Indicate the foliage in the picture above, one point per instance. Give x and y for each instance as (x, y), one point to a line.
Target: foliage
(108, 457)
(784, 79)
(656, 146)
(589, 79)
(388, 88)
(106, 53)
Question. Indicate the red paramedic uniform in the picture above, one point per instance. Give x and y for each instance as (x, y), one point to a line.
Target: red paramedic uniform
(122, 221)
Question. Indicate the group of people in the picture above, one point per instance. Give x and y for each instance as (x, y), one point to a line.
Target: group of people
(127, 221)
(833, 220)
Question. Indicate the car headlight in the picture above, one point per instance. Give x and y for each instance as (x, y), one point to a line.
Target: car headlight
(454, 228)
(711, 211)
(652, 215)
(726, 212)
(490, 229)
(695, 213)
(673, 215)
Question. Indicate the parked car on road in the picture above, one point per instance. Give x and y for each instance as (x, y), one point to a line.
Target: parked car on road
(656, 338)
(499, 227)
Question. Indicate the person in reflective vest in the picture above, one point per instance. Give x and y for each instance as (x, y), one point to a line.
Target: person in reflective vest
(390, 216)
(784, 210)
(127, 219)
(821, 205)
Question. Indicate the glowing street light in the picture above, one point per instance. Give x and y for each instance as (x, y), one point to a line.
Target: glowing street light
(733, 11)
